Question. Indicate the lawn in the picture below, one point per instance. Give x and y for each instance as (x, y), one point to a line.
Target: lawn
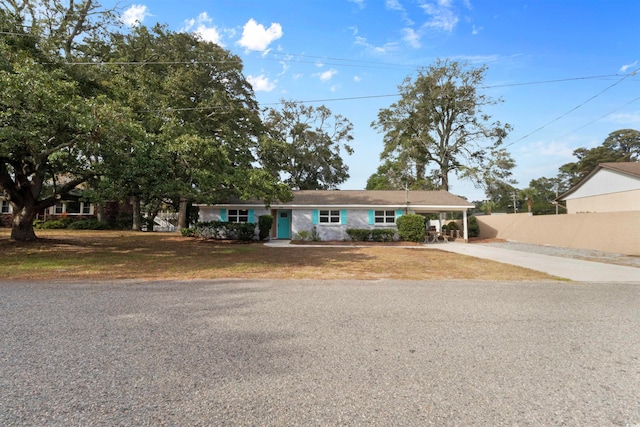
(106, 255)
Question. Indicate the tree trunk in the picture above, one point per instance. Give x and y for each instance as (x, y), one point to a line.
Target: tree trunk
(182, 213)
(22, 224)
(137, 219)
(99, 211)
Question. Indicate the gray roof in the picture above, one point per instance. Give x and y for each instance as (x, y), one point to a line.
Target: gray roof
(371, 198)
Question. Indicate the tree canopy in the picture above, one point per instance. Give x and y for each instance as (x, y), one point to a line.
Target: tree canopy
(306, 144)
(440, 123)
(148, 114)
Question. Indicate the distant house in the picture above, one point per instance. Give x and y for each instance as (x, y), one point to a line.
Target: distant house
(72, 206)
(332, 212)
(610, 187)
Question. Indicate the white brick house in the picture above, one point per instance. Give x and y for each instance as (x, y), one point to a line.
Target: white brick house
(332, 212)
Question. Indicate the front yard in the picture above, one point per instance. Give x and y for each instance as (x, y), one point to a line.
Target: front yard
(107, 255)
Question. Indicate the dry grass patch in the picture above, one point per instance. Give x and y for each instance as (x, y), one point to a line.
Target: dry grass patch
(79, 254)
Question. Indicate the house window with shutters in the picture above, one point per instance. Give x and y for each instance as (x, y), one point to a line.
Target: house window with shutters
(238, 215)
(329, 217)
(385, 217)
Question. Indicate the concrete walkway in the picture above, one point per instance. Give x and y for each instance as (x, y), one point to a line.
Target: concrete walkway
(566, 268)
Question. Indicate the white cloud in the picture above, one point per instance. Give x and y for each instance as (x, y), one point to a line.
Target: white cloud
(256, 37)
(411, 37)
(360, 3)
(625, 118)
(261, 83)
(476, 30)
(135, 15)
(393, 5)
(357, 79)
(202, 27)
(442, 13)
(378, 50)
(327, 75)
(624, 68)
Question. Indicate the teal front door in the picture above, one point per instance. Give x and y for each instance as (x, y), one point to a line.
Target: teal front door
(284, 225)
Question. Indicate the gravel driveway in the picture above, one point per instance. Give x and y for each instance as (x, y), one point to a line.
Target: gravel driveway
(319, 353)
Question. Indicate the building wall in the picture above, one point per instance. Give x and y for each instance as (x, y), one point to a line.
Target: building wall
(356, 218)
(612, 202)
(614, 232)
(605, 181)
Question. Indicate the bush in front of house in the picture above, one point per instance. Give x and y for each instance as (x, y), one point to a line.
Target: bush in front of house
(88, 224)
(473, 227)
(411, 227)
(54, 224)
(219, 230)
(264, 226)
(371, 235)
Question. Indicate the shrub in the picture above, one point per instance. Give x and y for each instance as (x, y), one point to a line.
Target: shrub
(453, 226)
(88, 224)
(375, 235)
(302, 235)
(473, 227)
(359, 234)
(264, 226)
(383, 234)
(188, 232)
(56, 224)
(225, 230)
(411, 227)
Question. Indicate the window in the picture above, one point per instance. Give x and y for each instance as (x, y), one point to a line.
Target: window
(86, 208)
(73, 207)
(5, 207)
(329, 217)
(238, 215)
(58, 208)
(385, 217)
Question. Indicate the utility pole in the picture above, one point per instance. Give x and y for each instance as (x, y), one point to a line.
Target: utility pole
(515, 208)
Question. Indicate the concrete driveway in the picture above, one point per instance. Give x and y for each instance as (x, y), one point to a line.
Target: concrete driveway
(319, 353)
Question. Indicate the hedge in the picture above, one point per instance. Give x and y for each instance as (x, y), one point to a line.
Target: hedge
(371, 235)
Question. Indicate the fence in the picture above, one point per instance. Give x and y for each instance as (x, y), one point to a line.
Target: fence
(615, 232)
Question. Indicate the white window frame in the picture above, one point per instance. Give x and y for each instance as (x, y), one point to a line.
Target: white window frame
(238, 215)
(330, 216)
(5, 207)
(384, 216)
(85, 208)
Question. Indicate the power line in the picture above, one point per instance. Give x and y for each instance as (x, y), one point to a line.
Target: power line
(600, 118)
(574, 108)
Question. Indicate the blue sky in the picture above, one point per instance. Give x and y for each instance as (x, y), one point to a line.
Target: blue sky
(562, 67)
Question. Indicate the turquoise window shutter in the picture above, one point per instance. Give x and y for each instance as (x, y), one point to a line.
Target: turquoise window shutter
(371, 217)
(343, 216)
(315, 217)
(251, 216)
(223, 215)
(398, 213)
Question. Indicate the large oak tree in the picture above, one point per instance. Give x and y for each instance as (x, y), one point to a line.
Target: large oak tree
(440, 125)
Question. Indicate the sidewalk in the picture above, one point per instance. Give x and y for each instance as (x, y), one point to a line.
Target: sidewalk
(567, 268)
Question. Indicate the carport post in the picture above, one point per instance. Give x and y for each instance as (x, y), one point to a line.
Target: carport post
(464, 226)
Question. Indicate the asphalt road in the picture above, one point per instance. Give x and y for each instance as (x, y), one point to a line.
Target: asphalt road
(315, 353)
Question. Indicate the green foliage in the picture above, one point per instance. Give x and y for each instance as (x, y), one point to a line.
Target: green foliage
(55, 224)
(411, 227)
(371, 235)
(473, 227)
(122, 221)
(188, 232)
(453, 226)
(305, 142)
(265, 222)
(308, 235)
(440, 121)
(219, 230)
(620, 146)
(88, 224)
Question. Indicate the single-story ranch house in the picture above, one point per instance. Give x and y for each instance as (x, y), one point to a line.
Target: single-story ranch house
(610, 187)
(332, 212)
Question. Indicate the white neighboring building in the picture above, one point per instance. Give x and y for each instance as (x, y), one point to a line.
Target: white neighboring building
(610, 187)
